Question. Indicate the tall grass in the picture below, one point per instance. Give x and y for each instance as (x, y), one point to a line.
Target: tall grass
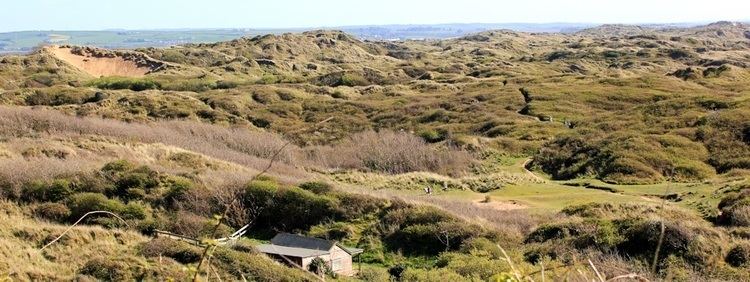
(390, 152)
(235, 145)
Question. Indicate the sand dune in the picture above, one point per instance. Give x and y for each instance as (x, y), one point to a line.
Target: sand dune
(99, 65)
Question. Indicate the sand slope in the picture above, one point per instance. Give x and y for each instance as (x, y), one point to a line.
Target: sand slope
(99, 65)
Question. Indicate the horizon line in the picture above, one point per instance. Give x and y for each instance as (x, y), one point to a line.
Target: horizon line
(694, 23)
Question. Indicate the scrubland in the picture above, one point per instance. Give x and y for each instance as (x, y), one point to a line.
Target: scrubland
(612, 153)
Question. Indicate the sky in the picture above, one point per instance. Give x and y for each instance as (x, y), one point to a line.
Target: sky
(18, 15)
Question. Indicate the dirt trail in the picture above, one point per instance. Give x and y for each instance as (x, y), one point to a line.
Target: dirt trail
(99, 66)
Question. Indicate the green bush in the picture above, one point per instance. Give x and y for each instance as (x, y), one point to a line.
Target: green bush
(52, 211)
(735, 209)
(80, 204)
(287, 208)
(134, 84)
(739, 255)
(118, 166)
(177, 187)
(191, 85)
(468, 265)
(141, 177)
(317, 187)
(134, 210)
(352, 206)
(56, 98)
(255, 267)
(442, 274)
(224, 84)
(41, 191)
(434, 135)
(374, 275)
(179, 251)
(107, 269)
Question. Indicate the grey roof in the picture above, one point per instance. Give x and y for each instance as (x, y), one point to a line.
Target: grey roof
(297, 241)
(350, 250)
(290, 251)
(301, 246)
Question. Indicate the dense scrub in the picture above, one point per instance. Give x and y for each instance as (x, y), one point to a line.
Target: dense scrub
(634, 231)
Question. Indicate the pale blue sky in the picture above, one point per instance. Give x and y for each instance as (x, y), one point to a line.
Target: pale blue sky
(156, 14)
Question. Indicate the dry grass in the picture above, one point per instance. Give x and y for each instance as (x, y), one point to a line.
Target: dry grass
(21, 238)
(236, 145)
(391, 152)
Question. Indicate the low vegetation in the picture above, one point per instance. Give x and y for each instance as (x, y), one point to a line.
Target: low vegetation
(501, 156)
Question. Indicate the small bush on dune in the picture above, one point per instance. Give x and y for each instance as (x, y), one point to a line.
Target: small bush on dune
(624, 157)
(41, 191)
(441, 274)
(52, 211)
(179, 251)
(80, 204)
(426, 231)
(739, 255)
(287, 208)
(735, 209)
(374, 275)
(255, 267)
(116, 83)
(107, 269)
(317, 187)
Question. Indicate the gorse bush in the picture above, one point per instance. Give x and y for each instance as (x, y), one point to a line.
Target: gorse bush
(735, 208)
(125, 83)
(624, 158)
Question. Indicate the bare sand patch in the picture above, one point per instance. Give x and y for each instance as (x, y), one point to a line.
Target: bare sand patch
(500, 205)
(104, 63)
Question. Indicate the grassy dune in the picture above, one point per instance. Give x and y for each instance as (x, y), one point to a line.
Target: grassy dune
(554, 151)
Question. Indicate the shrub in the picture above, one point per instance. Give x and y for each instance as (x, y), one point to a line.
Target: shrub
(468, 265)
(107, 270)
(134, 210)
(352, 206)
(374, 275)
(317, 187)
(224, 84)
(739, 255)
(434, 135)
(42, 191)
(125, 83)
(642, 238)
(80, 204)
(428, 231)
(177, 187)
(319, 267)
(141, 178)
(118, 166)
(57, 98)
(557, 55)
(255, 267)
(52, 211)
(735, 209)
(179, 251)
(442, 274)
(289, 209)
